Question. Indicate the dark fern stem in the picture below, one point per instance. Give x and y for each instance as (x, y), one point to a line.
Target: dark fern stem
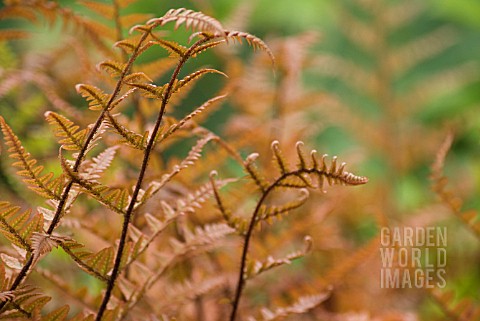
(148, 151)
(81, 155)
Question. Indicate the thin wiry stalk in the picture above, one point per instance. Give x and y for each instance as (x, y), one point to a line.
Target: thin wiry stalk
(24, 271)
(251, 226)
(246, 244)
(148, 151)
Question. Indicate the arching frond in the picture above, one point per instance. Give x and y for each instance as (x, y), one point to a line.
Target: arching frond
(237, 223)
(137, 77)
(448, 197)
(174, 48)
(114, 68)
(254, 173)
(46, 185)
(267, 212)
(92, 170)
(254, 267)
(27, 300)
(96, 264)
(194, 76)
(252, 40)
(204, 47)
(18, 226)
(133, 139)
(95, 97)
(200, 236)
(191, 19)
(192, 115)
(193, 155)
(71, 137)
(149, 90)
(279, 159)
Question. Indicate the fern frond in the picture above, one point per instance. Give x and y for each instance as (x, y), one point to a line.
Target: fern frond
(174, 48)
(76, 251)
(114, 68)
(252, 40)
(303, 305)
(252, 170)
(194, 76)
(18, 227)
(127, 45)
(42, 244)
(59, 314)
(201, 236)
(192, 20)
(150, 90)
(239, 224)
(114, 198)
(45, 185)
(302, 157)
(182, 293)
(279, 158)
(96, 98)
(193, 155)
(265, 212)
(448, 197)
(96, 264)
(28, 300)
(137, 77)
(254, 267)
(11, 262)
(204, 47)
(101, 261)
(192, 115)
(92, 170)
(332, 174)
(71, 137)
(135, 140)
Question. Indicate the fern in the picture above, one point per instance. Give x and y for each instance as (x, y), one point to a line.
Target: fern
(320, 170)
(72, 137)
(45, 185)
(190, 18)
(19, 227)
(303, 305)
(168, 240)
(448, 197)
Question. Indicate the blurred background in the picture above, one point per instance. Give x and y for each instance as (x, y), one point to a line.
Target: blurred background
(379, 83)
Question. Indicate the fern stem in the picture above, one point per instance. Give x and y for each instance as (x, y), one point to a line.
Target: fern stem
(253, 222)
(56, 219)
(246, 244)
(141, 175)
